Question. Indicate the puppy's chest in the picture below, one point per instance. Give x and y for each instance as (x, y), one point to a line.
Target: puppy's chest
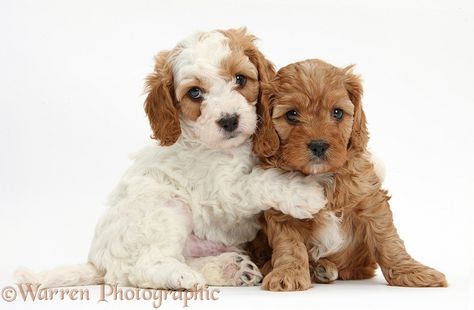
(219, 212)
(328, 237)
(217, 197)
(231, 231)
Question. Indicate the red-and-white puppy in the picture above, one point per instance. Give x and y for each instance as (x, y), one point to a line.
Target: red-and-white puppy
(181, 211)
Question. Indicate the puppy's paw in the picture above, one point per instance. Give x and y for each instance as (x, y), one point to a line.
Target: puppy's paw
(419, 276)
(241, 271)
(307, 198)
(229, 269)
(323, 271)
(187, 279)
(287, 279)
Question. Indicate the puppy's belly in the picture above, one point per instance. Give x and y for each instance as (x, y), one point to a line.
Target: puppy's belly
(196, 247)
(329, 238)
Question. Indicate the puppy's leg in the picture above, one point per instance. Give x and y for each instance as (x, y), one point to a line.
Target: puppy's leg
(290, 193)
(267, 267)
(398, 267)
(259, 250)
(140, 240)
(358, 263)
(326, 239)
(227, 269)
(161, 263)
(290, 257)
(155, 271)
(323, 271)
(355, 261)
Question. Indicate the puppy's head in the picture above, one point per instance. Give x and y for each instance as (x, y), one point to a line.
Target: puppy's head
(317, 113)
(208, 88)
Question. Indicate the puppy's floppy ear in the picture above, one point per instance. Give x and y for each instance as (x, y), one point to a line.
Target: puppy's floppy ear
(160, 104)
(353, 85)
(265, 141)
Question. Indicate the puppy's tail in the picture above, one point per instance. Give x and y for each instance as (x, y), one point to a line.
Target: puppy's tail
(75, 275)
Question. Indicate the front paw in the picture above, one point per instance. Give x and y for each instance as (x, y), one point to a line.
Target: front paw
(287, 279)
(415, 277)
(308, 198)
(323, 271)
(230, 269)
(242, 271)
(187, 279)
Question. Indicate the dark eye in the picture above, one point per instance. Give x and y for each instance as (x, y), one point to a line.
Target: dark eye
(195, 94)
(240, 80)
(337, 114)
(292, 117)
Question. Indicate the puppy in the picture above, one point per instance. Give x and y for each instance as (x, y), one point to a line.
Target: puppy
(179, 214)
(317, 112)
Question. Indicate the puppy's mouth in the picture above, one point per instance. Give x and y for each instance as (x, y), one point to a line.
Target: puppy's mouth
(231, 135)
(318, 160)
(316, 167)
(318, 164)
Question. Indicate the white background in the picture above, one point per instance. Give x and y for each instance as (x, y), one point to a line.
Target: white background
(71, 83)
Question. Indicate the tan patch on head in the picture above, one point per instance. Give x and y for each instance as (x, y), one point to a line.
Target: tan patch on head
(265, 140)
(238, 63)
(190, 109)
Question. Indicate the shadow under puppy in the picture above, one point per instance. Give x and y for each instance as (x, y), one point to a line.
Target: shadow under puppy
(317, 113)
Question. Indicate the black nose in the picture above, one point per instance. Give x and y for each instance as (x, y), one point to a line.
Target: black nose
(318, 147)
(229, 122)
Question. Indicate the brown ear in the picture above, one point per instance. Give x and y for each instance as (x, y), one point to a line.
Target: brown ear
(353, 85)
(160, 104)
(265, 141)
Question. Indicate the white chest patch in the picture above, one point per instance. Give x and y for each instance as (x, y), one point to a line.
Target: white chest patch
(329, 239)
